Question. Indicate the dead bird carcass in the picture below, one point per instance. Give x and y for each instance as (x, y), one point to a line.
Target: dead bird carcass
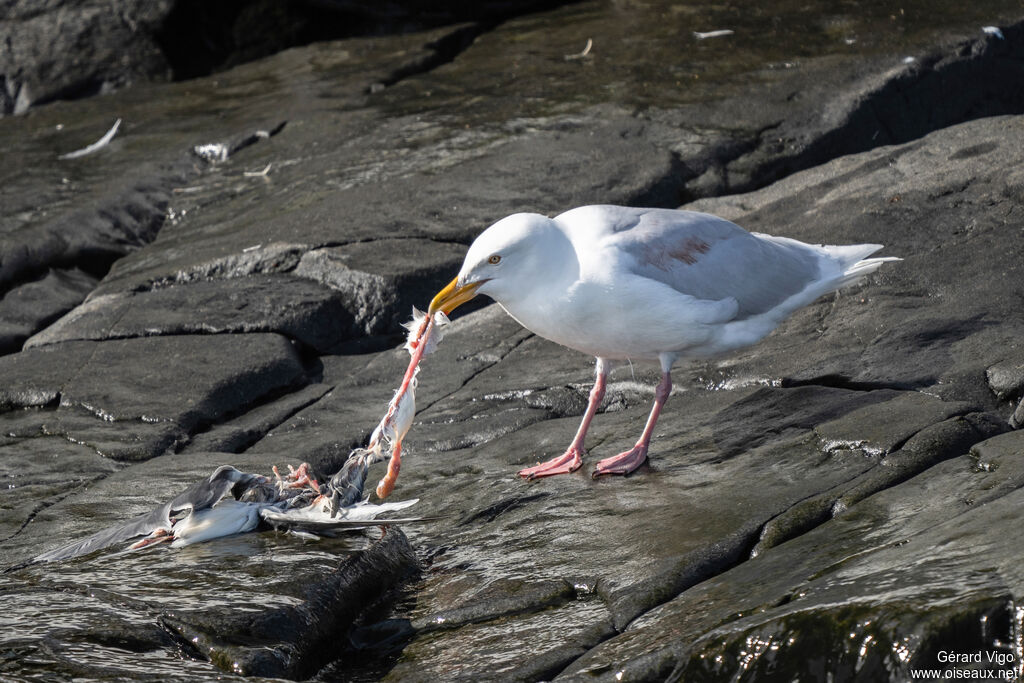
(230, 501)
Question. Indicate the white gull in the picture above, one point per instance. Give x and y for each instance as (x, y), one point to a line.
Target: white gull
(623, 283)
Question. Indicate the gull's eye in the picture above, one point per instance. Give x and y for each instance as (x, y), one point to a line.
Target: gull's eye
(495, 258)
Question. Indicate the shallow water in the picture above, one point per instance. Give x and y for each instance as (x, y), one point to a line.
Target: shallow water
(68, 616)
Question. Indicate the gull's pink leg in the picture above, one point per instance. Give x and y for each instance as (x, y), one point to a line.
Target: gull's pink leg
(573, 456)
(626, 462)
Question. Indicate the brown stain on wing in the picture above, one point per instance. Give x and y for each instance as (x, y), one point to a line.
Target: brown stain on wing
(688, 252)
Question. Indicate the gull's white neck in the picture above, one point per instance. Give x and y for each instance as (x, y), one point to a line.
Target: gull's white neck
(542, 301)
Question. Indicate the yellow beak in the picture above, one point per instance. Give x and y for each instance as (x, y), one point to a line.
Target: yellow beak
(453, 296)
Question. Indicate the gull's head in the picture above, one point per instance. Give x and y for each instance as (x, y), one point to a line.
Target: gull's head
(507, 262)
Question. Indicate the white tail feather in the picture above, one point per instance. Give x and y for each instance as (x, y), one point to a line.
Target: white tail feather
(849, 255)
(853, 262)
(862, 268)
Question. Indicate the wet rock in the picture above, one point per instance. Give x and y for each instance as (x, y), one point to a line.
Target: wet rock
(91, 238)
(379, 281)
(73, 49)
(28, 308)
(561, 401)
(193, 382)
(295, 641)
(145, 394)
(501, 598)
(868, 112)
(47, 230)
(1006, 379)
(238, 434)
(91, 211)
(490, 603)
(322, 297)
(117, 634)
(911, 543)
(559, 636)
(385, 256)
(294, 307)
(632, 565)
(127, 440)
(807, 109)
(884, 427)
(39, 472)
(770, 412)
(795, 490)
(490, 512)
(947, 334)
(930, 446)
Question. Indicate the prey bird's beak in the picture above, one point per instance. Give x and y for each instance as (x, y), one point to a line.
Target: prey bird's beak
(453, 296)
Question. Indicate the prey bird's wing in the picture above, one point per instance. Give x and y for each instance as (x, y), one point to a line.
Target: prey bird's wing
(143, 525)
(201, 495)
(315, 517)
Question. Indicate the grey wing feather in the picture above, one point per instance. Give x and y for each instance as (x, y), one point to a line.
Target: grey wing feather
(142, 525)
(203, 494)
(710, 258)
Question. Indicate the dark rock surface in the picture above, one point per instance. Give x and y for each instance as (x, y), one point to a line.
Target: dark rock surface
(33, 305)
(839, 499)
(71, 49)
(296, 641)
(55, 49)
(133, 398)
